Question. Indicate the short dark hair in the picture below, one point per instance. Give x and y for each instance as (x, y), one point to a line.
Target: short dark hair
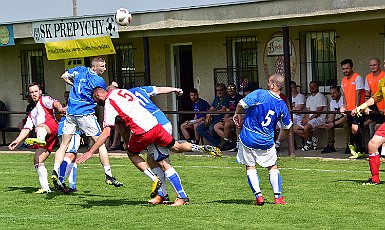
(193, 90)
(293, 83)
(347, 61)
(337, 87)
(33, 84)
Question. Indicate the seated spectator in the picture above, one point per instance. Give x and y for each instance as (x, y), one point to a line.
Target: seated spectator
(315, 102)
(223, 128)
(336, 121)
(220, 103)
(298, 103)
(190, 126)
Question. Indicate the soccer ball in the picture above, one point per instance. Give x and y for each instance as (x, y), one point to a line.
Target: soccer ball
(123, 17)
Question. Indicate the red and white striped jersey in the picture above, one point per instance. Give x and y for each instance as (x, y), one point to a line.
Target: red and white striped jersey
(123, 103)
(43, 113)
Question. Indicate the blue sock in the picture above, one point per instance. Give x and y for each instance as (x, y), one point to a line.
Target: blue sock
(62, 171)
(176, 183)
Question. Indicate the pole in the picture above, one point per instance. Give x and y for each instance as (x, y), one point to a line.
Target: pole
(286, 65)
(146, 50)
(74, 8)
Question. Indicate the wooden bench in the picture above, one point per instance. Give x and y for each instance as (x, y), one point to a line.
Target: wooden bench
(8, 130)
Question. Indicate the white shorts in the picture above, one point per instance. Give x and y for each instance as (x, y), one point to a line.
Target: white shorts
(74, 144)
(314, 122)
(87, 124)
(251, 157)
(157, 152)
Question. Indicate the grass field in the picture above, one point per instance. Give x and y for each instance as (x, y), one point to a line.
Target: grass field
(320, 195)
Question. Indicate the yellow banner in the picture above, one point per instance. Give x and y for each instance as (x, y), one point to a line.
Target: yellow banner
(79, 48)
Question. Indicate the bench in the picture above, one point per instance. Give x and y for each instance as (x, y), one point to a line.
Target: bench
(7, 130)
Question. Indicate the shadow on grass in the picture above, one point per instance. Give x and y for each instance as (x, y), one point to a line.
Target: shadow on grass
(23, 189)
(233, 201)
(356, 181)
(113, 203)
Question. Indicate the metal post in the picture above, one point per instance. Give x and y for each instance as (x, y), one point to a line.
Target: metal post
(286, 64)
(146, 51)
(74, 7)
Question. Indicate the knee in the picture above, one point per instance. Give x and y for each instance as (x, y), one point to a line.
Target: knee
(201, 128)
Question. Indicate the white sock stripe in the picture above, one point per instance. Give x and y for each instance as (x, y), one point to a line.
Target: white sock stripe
(373, 154)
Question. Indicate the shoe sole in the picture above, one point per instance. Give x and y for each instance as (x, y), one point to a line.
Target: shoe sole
(114, 184)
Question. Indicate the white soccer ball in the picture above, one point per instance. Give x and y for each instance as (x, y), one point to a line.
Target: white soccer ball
(123, 17)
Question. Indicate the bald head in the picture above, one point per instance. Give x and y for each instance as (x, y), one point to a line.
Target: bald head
(99, 95)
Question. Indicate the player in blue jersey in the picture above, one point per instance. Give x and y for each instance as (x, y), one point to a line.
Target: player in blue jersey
(265, 109)
(81, 115)
(156, 154)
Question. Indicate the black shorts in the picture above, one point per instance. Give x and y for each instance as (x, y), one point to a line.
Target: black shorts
(377, 118)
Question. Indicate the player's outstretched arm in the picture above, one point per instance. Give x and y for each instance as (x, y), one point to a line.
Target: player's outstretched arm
(163, 90)
(22, 135)
(66, 78)
(101, 139)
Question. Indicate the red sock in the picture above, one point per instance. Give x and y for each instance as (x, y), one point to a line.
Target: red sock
(374, 164)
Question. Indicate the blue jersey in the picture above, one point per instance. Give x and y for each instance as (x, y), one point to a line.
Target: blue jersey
(144, 93)
(80, 100)
(264, 110)
(201, 105)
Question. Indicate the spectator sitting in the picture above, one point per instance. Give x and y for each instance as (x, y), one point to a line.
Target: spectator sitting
(223, 129)
(334, 121)
(220, 103)
(315, 102)
(190, 126)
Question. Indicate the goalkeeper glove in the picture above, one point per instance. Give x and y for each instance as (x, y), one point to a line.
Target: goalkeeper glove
(362, 107)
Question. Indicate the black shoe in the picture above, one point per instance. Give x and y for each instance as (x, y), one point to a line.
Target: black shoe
(57, 184)
(112, 181)
(347, 150)
(328, 149)
(228, 145)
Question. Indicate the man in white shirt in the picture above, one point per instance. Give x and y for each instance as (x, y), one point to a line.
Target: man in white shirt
(315, 102)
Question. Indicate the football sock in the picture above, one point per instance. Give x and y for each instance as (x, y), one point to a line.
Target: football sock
(43, 176)
(374, 164)
(41, 133)
(150, 174)
(72, 176)
(383, 151)
(196, 148)
(63, 169)
(56, 168)
(159, 172)
(175, 181)
(107, 170)
(253, 180)
(276, 182)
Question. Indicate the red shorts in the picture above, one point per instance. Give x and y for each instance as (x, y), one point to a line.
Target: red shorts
(381, 131)
(157, 135)
(51, 139)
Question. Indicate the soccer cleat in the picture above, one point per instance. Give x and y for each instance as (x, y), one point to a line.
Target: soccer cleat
(314, 141)
(328, 149)
(347, 150)
(156, 184)
(58, 185)
(35, 141)
(260, 201)
(180, 201)
(42, 191)
(234, 149)
(307, 147)
(228, 145)
(211, 150)
(353, 150)
(370, 182)
(159, 200)
(357, 155)
(110, 180)
(279, 200)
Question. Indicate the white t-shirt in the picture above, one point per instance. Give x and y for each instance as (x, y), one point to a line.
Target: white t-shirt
(318, 100)
(300, 99)
(336, 105)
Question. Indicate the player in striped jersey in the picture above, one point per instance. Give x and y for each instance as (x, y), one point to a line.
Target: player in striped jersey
(265, 109)
(42, 119)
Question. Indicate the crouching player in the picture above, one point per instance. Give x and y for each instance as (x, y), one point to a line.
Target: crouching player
(42, 118)
(379, 136)
(264, 109)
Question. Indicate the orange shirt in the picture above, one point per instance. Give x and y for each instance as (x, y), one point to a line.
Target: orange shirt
(349, 88)
(372, 82)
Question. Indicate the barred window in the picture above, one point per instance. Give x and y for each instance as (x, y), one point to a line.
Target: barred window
(318, 59)
(242, 68)
(121, 67)
(32, 69)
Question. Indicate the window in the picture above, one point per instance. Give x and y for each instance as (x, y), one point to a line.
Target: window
(242, 66)
(318, 59)
(32, 69)
(121, 67)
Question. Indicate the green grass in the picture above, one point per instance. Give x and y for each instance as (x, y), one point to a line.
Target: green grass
(320, 195)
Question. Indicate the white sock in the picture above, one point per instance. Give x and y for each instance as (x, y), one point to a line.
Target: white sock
(253, 180)
(43, 176)
(150, 174)
(41, 133)
(107, 170)
(383, 151)
(56, 168)
(276, 182)
(159, 172)
(70, 165)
